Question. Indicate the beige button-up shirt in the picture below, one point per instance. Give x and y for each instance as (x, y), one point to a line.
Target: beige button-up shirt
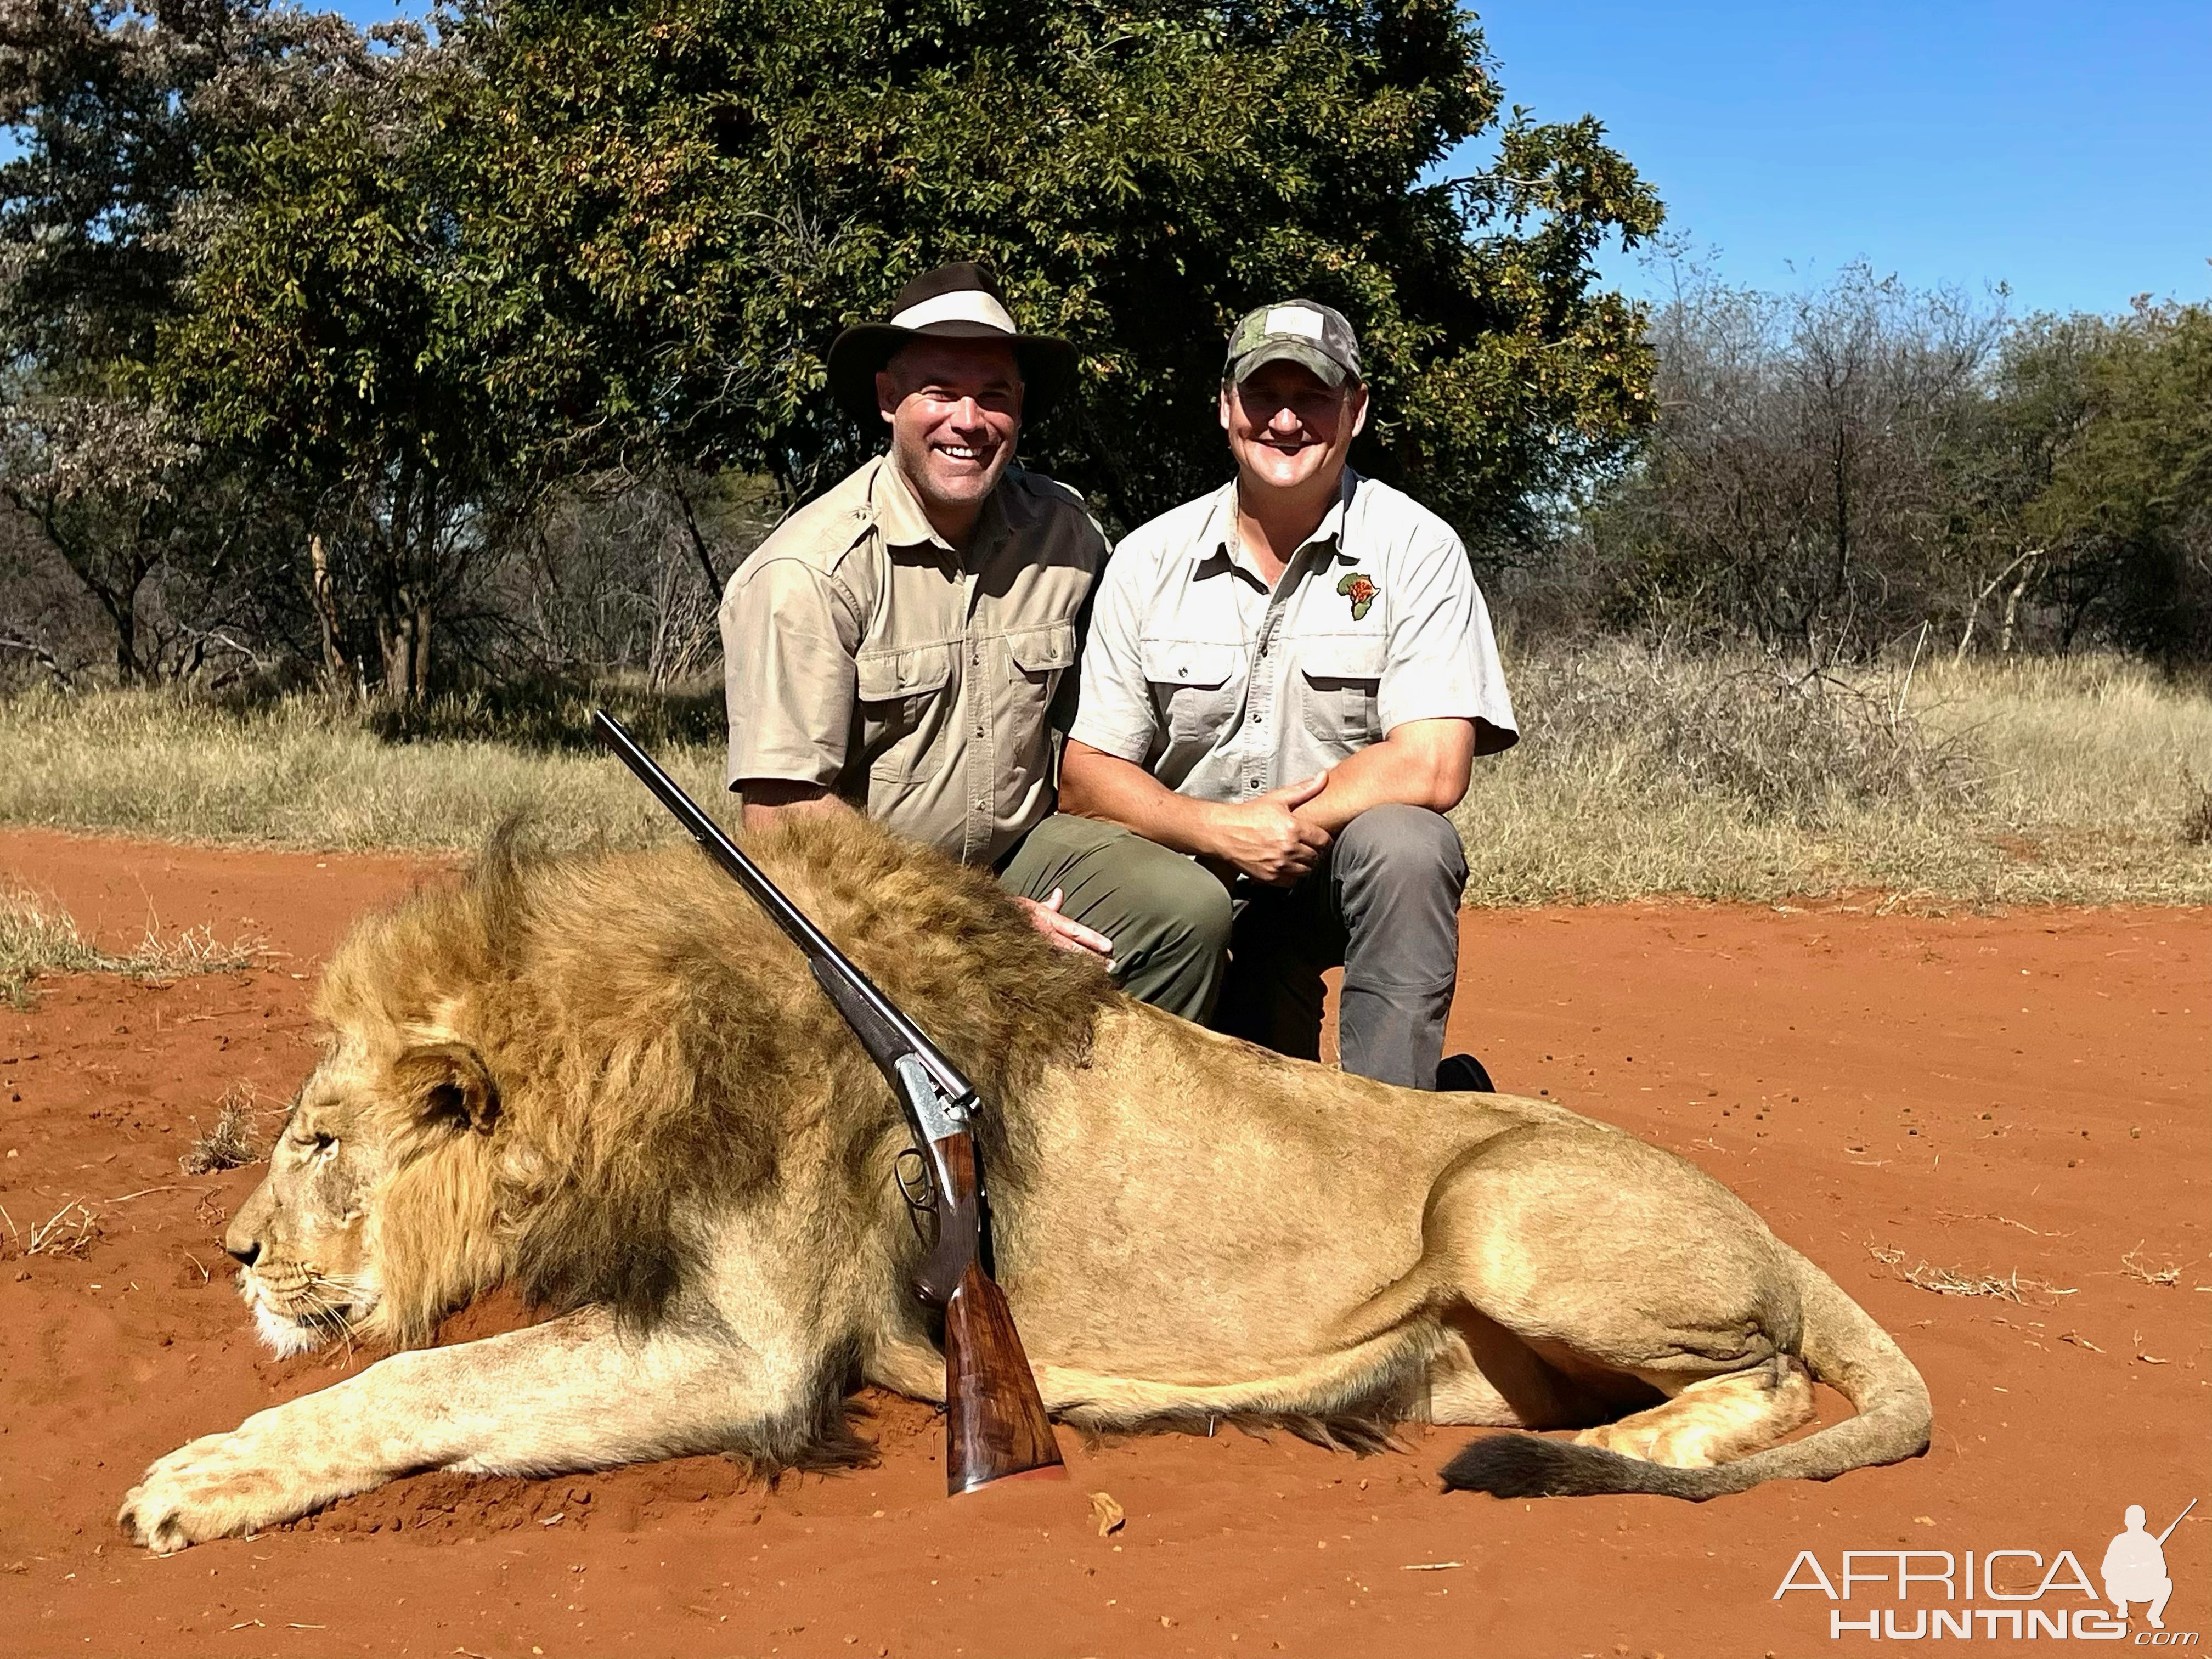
(1223, 687)
(862, 652)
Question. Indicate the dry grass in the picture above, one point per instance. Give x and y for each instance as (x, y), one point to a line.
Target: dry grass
(1947, 1281)
(302, 773)
(2036, 782)
(37, 936)
(71, 1230)
(1639, 774)
(2133, 1265)
(2196, 809)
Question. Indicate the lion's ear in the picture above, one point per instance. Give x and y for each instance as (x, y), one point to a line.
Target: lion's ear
(448, 1084)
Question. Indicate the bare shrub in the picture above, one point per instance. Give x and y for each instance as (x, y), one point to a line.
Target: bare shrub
(2196, 811)
(1789, 746)
(230, 1141)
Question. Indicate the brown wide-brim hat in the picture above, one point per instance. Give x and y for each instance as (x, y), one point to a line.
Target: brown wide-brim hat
(959, 302)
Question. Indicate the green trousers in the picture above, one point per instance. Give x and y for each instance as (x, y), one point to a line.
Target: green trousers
(1168, 919)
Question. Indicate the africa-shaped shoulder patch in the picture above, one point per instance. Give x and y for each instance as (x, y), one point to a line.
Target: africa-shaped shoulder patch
(1360, 591)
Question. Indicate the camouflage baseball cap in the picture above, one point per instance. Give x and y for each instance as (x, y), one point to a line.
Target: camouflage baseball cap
(1299, 331)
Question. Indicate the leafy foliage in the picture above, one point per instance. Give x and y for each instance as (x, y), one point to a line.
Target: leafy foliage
(680, 202)
(118, 110)
(323, 339)
(417, 300)
(2129, 505)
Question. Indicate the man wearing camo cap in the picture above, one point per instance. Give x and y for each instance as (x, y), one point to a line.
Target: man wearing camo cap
(1289, 679)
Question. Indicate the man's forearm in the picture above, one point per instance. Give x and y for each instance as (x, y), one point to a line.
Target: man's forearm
(768, 801)
(1097, 784)
(1421, 764)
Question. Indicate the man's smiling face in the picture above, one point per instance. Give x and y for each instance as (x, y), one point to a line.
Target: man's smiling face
(1288, 427)
(955, 409)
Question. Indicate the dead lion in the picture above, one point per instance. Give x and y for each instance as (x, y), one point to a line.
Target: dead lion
(612, 1083)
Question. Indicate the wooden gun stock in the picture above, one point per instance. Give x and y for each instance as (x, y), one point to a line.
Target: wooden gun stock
(995, 1426)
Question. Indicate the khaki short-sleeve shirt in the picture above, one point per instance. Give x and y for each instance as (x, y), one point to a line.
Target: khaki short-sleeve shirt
(1223, 687)
(862, 653)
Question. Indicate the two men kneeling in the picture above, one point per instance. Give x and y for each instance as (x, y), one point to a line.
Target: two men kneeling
(1282, 685)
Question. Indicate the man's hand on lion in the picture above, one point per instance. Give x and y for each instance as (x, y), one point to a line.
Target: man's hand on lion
(1065, 932)
(1265, 839)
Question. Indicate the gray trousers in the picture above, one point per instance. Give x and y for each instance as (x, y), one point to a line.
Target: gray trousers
(1169, 919)
(1384, 904)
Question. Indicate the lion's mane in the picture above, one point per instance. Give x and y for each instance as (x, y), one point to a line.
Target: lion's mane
(645, 1046)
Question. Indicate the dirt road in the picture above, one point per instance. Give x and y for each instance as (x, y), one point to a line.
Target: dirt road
(1993, 1095)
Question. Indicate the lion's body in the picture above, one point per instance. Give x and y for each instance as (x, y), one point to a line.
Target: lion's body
(612, 1083)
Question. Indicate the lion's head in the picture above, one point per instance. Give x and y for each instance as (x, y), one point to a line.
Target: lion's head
(308, 1240)
(567, 1074)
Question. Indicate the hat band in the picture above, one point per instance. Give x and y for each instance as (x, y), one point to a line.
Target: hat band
(965, 305)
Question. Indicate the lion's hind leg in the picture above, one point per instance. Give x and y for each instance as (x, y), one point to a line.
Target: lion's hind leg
(1715, 1420)
(1612, 1277)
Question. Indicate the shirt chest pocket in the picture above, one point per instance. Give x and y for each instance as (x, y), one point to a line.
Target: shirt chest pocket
(1036, 658)
(905, 705)
(1340, 679)
(1196, 686)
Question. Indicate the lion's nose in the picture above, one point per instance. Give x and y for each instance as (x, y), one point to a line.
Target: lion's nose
(246, 1253)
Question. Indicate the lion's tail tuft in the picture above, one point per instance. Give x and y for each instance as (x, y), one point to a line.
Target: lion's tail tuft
(1523, 1465)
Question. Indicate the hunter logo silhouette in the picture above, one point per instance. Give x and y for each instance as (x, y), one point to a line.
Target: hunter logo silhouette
(1360, 591)
(2135, 1566)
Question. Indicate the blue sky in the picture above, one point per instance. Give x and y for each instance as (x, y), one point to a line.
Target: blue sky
(2063, 149)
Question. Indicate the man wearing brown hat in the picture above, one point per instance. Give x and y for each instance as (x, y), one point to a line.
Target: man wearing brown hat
(904, 644)
(1288, 678)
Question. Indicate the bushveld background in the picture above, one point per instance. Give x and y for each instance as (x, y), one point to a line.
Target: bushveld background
(372, 403)
(2080, 779)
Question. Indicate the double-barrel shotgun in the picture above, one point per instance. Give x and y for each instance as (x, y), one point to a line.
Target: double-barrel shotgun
(995, 1426)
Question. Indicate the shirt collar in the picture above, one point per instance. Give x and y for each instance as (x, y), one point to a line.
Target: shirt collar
(1217, 536)
(898, 515)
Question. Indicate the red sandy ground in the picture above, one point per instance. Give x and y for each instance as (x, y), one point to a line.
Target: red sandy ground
(2020, 1093)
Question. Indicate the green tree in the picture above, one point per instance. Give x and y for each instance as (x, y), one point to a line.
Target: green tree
(1998, 465)
(115, 109)
(2128, 509)
(322, 340)
(674, 205)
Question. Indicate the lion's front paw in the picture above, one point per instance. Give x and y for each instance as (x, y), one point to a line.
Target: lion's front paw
(217, 1487)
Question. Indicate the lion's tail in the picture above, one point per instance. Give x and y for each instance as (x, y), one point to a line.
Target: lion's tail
(1842, 1347)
